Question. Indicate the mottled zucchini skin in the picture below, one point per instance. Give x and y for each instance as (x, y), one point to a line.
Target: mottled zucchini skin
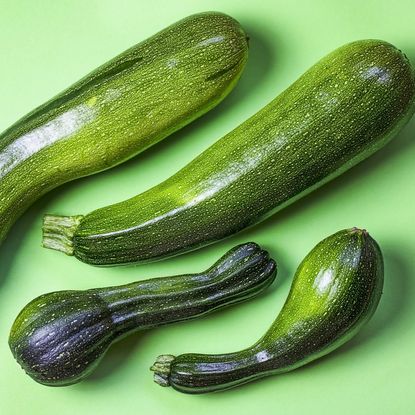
(60, 337)
(335, 291)
(120, 109)
(339, 112)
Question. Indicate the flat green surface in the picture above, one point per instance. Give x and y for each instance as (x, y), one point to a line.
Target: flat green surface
(47, 45)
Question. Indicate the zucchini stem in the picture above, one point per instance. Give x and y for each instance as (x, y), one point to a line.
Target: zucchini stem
(58, 232)
(161, 369)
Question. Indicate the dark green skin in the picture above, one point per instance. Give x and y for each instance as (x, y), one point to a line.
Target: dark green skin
(339, 112)
(120, 109)
(60, 337)
(335, 291)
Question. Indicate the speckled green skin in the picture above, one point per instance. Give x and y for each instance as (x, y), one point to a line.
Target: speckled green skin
(336, 289)
(120, 109)
(339, 112)
(59, 337)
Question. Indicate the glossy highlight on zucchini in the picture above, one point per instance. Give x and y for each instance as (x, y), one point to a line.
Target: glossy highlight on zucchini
(335, 291)
(123, 107)
(339, 112)
(60, 337)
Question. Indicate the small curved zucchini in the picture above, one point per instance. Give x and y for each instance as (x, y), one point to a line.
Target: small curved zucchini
(120, 109)
(59, 337)
(339, 112)
(336, 289)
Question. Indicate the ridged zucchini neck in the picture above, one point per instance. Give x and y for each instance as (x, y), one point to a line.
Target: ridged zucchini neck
(335, 291)
(336, 114)
(120, 109)
(59, 337)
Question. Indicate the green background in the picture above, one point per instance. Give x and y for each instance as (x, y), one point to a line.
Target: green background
(47, 45)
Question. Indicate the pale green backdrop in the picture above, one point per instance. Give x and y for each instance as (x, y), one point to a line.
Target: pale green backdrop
(46, 45)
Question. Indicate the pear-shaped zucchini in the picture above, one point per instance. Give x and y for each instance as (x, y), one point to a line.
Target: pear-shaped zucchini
(336, 289)
(59, 337)
(123, 107)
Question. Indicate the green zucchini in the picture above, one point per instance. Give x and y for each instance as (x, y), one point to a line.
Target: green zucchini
(59, 337)
(120, 109)
(335, 290)
(339, 112)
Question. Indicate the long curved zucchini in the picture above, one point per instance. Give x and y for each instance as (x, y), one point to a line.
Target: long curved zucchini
(120, 109)
(59, 337)
(339, 112)
(336, 289)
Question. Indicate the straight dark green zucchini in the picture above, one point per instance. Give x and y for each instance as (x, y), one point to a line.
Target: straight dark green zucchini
(335, 291)
(120, 109)
(339, 112)
(59, 337)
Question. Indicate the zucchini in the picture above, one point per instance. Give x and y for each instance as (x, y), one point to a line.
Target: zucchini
(335, 290)
(59, 338)
(339, 112)
(120, 109)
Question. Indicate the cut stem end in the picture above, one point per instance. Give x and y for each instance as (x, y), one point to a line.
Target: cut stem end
(58, 232)
(161, 369)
